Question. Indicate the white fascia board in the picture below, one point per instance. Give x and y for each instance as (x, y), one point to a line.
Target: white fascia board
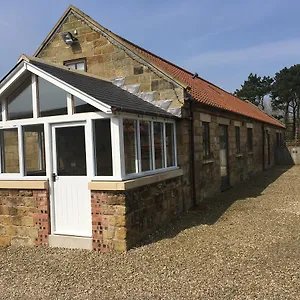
(15, 74)
(69, 88)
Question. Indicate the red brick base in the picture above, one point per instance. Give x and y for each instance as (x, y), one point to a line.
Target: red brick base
(42, 217)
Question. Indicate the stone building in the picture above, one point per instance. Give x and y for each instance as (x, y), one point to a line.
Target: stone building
(102, 142)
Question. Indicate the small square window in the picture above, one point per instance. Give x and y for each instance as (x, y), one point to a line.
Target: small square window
(77, 64)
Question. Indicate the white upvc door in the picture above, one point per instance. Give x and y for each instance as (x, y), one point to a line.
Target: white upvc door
(71, 197)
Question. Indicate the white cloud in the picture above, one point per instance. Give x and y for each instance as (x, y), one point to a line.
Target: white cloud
(263, 52)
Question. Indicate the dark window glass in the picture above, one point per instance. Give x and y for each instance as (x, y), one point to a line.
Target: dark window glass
(250, 139)
(170, 145)
(34, 150)
(130, 145)
(52, 100)
(19, 103)
(70, 148)
(103, 147)
(81, 106)
(206, 139)
(10, 151)
(237, 140)
(158, 145)
(145, 138)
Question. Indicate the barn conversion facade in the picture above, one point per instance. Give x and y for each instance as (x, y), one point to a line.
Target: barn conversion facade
(103, 141)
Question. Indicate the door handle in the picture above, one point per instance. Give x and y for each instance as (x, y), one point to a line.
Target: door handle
(54, 177)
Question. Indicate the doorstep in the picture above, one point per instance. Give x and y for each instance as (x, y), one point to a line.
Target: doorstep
(70, 242)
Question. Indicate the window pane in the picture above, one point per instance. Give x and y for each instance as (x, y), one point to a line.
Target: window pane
(10, 151)
(170, 145)
(158, 145)
(80, 66)
(249, 136)
(145, 137)
(34, 150)
(103, 148)
(206, 139)
(70, 148)
(81, 106)
(19, 103)
(130, 151)
(237, 139)
(52, 100)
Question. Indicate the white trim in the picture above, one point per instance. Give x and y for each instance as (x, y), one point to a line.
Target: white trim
(4, 110)
(121, 141)
(175, 144)
(12, 78)
(152, 145)
(69, 88)
(21, 151)
(70, 106)
(115, 145)
(165, 146)
(138, 148)
(35, 102)
(54, 119)
(89, 149)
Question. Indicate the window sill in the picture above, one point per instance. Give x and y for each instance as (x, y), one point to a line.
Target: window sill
(24, 184)
(238, 155)
(207, 161)
(133, 183)
(250, 153)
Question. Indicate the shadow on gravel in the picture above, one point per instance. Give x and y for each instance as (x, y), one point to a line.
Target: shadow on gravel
(212, 209)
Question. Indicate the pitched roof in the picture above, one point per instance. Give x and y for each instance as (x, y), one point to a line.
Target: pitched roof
(101, 90)
(202, 91)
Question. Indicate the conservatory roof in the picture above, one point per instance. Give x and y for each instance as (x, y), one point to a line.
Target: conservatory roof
(104, 92)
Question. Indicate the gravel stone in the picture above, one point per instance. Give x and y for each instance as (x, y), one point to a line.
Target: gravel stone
(245, 244)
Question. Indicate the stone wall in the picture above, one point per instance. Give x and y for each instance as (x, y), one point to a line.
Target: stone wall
(122, 219)
(242, 165)
(24, 217)
(109, 61)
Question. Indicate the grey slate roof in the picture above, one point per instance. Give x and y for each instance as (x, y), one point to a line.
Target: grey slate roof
(104, 91)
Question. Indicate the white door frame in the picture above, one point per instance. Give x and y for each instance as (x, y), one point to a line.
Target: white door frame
(52, 165)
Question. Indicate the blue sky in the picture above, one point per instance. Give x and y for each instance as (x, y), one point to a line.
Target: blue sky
(223, 41)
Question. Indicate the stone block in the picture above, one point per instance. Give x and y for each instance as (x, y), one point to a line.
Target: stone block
(5, 220)
(4, 241)
(27, 221)
(92, 36)
(2, 230)
(120, 246)
(120, 233)
(22, 241)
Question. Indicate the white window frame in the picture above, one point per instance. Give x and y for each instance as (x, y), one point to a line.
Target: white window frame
(140, 173)
(117, 138)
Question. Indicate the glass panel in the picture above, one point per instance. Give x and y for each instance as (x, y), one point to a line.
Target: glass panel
(130, 145)
(146, 153)
(237, 140)
(249, 138)
(19, 103)
(70, 151)
(81, 106)
(34, 150)
(10, 150)
(170, 145)
(52, 100)
(80, 66)
(158, 145)
(103, 148)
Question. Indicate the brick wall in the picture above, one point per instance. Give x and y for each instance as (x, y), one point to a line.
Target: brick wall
(24, 217)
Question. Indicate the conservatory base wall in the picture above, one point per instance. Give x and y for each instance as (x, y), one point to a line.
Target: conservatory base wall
(123, 219)
(24, 217)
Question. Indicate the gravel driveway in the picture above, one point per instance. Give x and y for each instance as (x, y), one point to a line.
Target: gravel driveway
(244, 246)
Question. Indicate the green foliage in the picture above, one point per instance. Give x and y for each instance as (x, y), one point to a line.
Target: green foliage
(254, 89)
